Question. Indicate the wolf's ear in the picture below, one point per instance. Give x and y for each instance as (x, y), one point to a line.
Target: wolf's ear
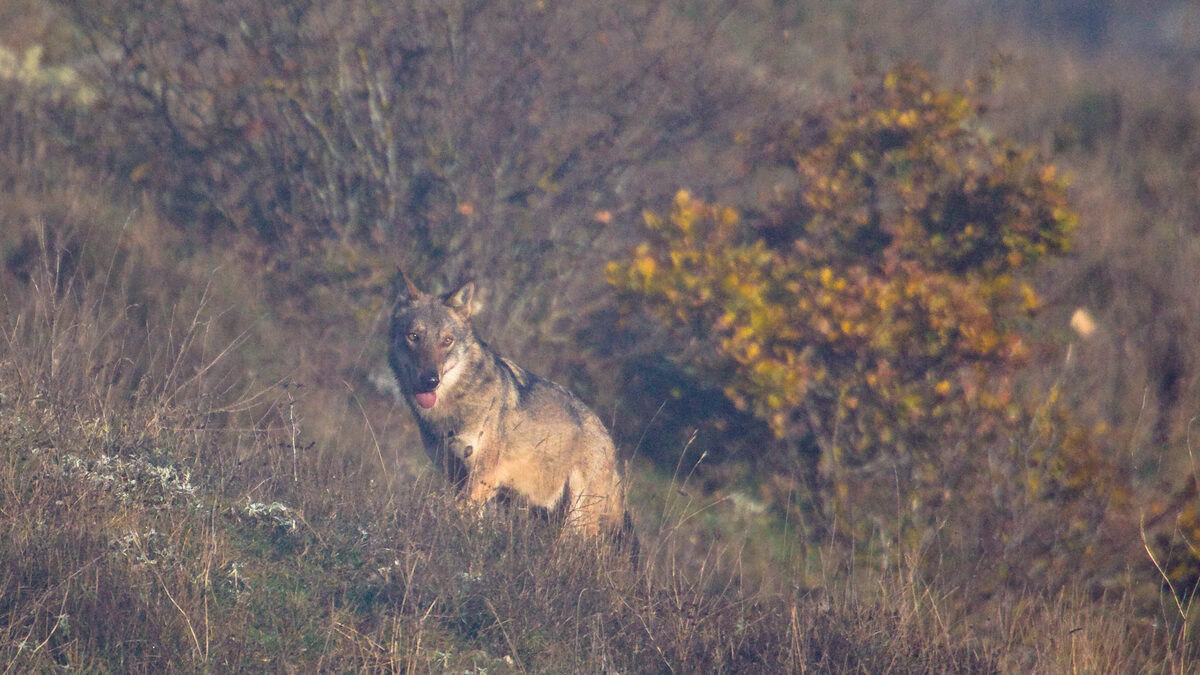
(404, 291)
(460, 300)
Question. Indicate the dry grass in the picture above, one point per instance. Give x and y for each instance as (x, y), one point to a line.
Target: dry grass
(194, 527)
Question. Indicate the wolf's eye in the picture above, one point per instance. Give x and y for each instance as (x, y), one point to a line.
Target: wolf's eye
(413, 337)
(447, 341)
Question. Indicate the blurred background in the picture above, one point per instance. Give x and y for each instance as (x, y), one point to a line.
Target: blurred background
(228, 189)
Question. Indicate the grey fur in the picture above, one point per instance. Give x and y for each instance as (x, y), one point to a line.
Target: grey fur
(492, 425)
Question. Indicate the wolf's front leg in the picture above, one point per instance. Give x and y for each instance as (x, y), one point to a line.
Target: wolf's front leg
(480, 491)
(459, 448)
(476, 494)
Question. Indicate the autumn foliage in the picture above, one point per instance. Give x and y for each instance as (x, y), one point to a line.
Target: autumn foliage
(875, 314)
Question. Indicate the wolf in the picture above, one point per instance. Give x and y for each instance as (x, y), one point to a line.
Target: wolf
(495, 427)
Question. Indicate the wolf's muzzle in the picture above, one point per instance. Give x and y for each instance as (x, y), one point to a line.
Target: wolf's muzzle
(428, 381)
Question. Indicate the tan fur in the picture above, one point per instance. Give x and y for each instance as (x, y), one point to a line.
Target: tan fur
(495, 426)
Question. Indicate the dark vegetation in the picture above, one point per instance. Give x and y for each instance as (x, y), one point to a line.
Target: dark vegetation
(893, 313)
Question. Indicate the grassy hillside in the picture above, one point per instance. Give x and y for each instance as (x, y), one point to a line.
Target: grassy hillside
(159, 513)
(202, 465)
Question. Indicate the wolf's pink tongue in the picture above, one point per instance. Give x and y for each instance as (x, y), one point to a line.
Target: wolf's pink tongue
(426, 399)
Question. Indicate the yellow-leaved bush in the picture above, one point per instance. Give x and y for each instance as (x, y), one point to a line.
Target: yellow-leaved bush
(875, 313)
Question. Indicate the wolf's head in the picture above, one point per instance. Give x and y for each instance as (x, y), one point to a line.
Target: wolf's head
(431, 337)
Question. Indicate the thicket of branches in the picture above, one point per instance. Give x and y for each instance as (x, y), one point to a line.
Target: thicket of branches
(504, 141)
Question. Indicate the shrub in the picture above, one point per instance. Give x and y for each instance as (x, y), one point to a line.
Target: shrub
(873, 318)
